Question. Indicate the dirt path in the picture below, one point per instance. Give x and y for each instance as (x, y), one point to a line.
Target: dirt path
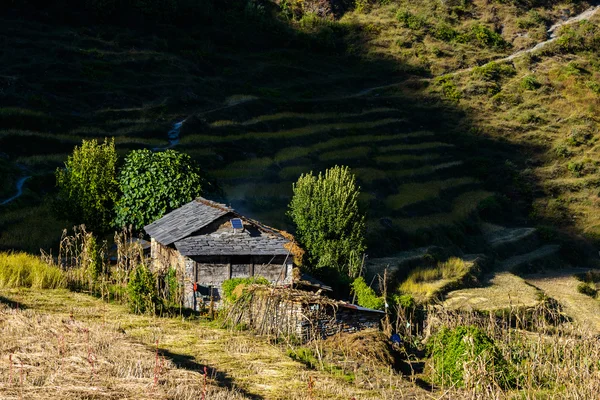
(562, 286)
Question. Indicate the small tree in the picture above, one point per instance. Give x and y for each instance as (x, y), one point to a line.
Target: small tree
(154, 184)
(329, 223)
(88, 186)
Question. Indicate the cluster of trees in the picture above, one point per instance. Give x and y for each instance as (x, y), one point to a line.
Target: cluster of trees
(95, 190)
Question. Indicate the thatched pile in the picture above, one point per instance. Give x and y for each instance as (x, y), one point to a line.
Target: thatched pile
(282, 311)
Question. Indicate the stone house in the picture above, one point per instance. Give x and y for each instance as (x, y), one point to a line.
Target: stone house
(208, 243)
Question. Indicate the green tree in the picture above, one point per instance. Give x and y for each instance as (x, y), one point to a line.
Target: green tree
(152, 184)
(87, 185)
(329, 223)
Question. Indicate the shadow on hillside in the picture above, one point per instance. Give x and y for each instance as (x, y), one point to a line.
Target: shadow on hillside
(222, 379)
(192, 67)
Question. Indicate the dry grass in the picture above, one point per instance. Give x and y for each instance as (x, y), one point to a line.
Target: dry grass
(560, 365)
(45, 356)
(425, 283)
(249, 363)
(500, 291)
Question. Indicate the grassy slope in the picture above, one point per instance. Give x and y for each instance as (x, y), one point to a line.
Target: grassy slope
(252, 366)
(262, 112)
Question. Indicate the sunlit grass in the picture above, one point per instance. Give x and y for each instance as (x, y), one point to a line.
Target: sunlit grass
(291, 153)
(425, 282)
(25, 270)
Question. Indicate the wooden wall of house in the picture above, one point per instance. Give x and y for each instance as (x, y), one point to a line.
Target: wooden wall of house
(214, 270)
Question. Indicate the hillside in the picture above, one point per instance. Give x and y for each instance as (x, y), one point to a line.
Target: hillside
(409, 96)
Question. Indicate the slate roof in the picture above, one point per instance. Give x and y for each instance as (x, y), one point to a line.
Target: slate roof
(239, 243)
(186, 220)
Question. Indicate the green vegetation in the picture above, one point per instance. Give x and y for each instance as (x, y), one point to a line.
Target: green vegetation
(88, 186)
(142, 291)
(152, 184)
(329, 222)
(24, 270)
(451, 349)
(366, 296)
(230, 285)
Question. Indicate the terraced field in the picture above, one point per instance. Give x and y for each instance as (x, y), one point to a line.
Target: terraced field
(254, 139)
(411, 174)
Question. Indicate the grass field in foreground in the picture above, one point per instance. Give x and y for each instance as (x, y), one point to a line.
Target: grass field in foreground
(123, 346)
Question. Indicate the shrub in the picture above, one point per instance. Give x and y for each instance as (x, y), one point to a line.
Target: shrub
(88, 186)
(483, 36)
(229, 286)
(576, 168)
(444, 32)
(494, 72)
(366, 296)
(449, 88)
(593, 86)
(24, 270)
(142, 291)
(530, 82)
(411, 21)
(587, 289)
(456, 351)
(579, 136)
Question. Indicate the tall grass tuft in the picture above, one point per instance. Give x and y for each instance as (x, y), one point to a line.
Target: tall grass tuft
(24, 270)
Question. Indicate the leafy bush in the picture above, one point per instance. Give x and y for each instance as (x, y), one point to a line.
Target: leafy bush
(494, 72)
(530, 82)
(483, 36)
(229, 286)
(152, 184)
(142, 291)
(593, 86)
(455, 351)
(449, 88)
(588, 289)
(411, 21)
(88, 186)
(24, 270)
(366, 296)
(444, 32)
(330, 224)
